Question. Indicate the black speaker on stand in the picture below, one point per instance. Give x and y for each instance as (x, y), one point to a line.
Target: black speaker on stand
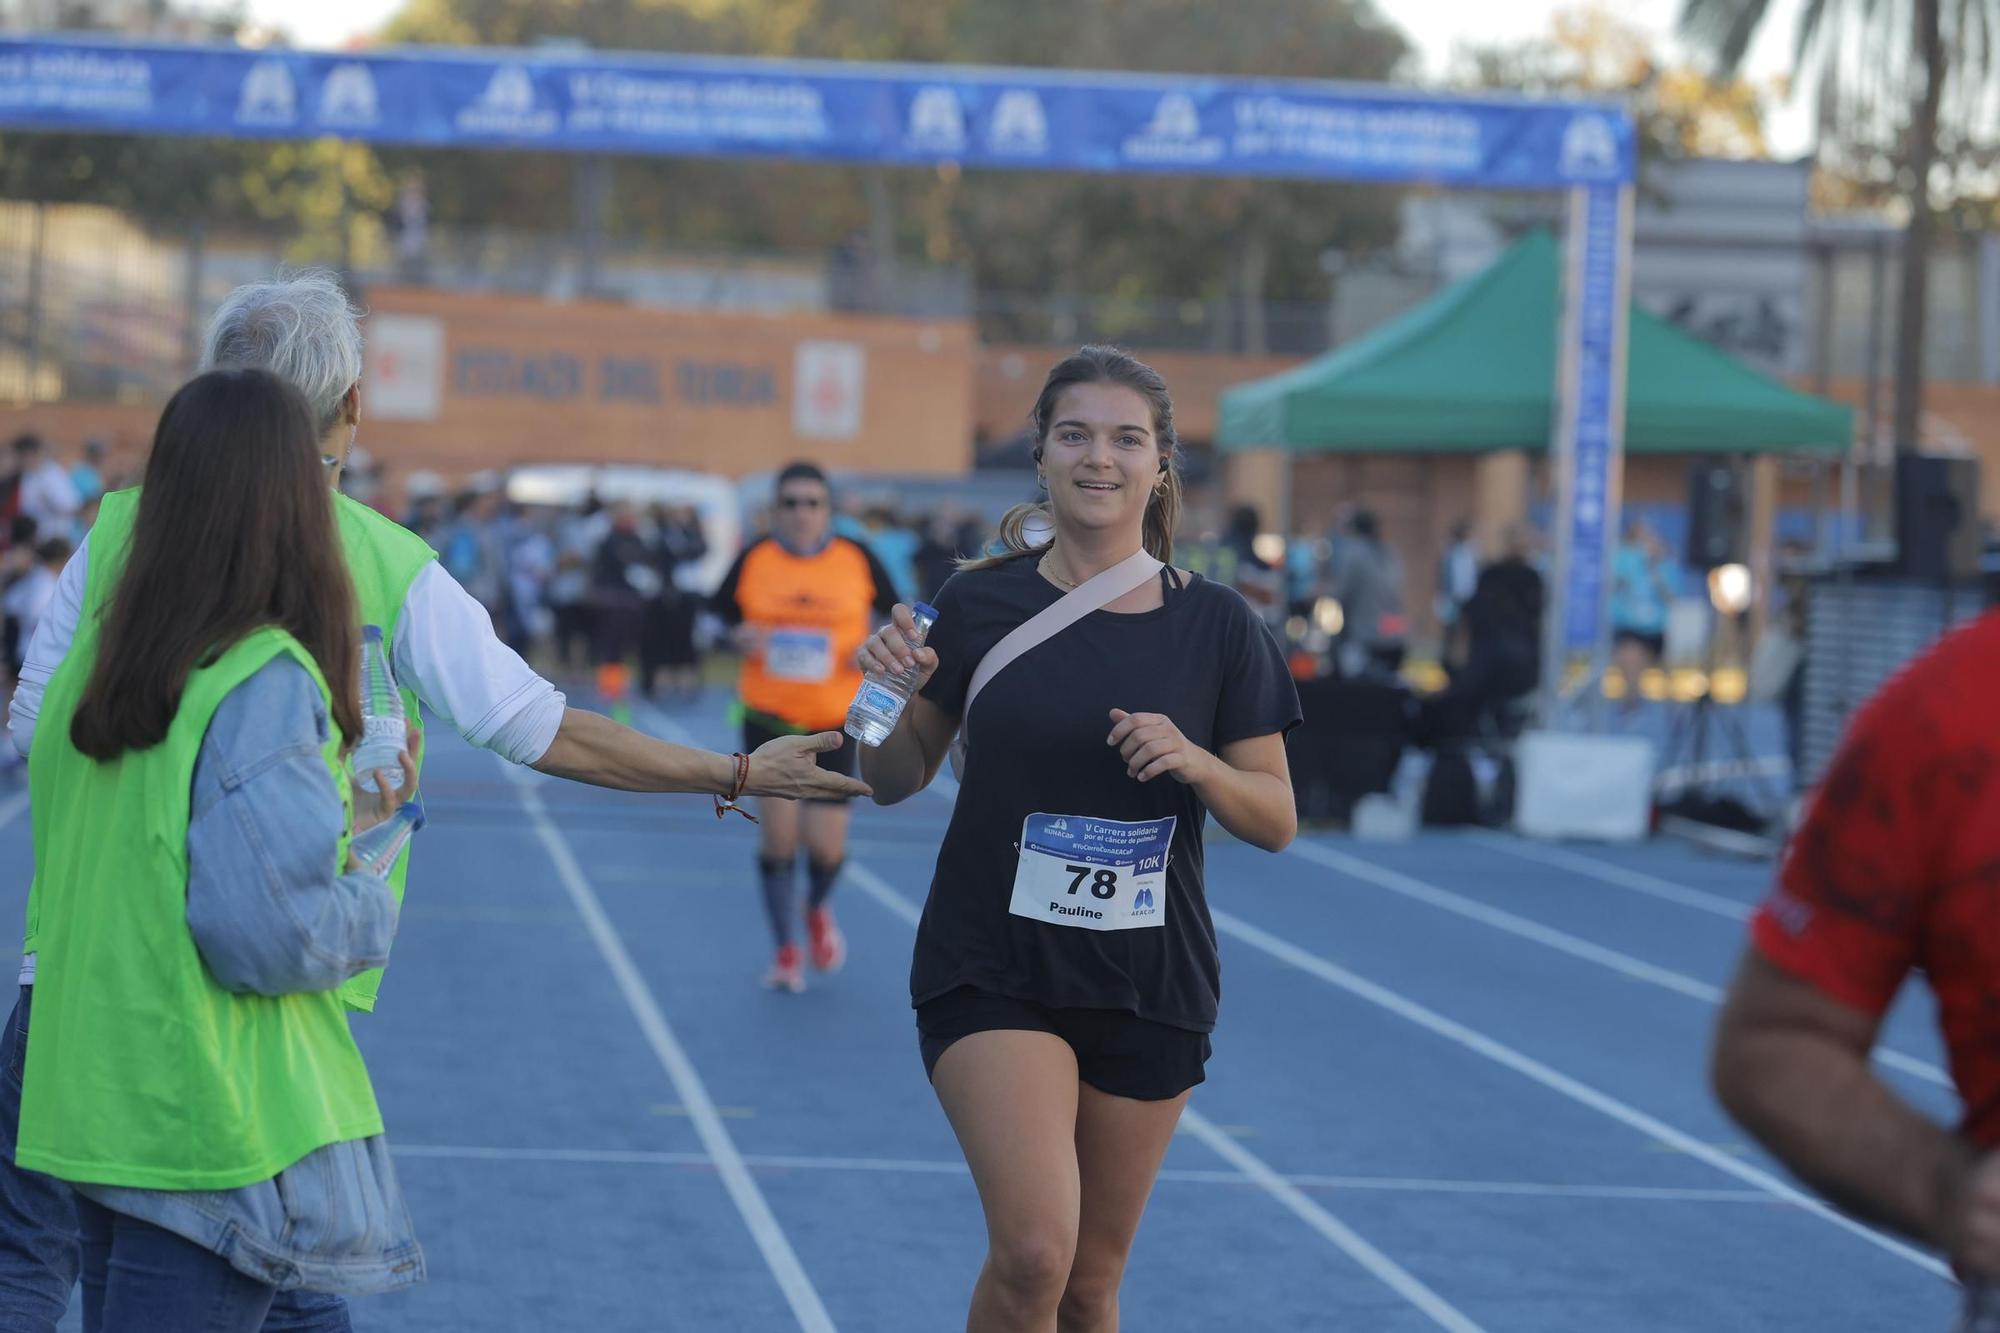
(1937, 517)
(1718, 515)
(1718, 535)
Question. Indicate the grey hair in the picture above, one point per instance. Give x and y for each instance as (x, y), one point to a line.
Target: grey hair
(300, 327)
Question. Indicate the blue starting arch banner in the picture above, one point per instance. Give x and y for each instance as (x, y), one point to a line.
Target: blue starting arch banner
(914, 115)
(911, 114)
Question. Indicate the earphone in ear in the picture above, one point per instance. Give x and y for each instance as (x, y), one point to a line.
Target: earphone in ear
(1038, 453)
(1164, 464)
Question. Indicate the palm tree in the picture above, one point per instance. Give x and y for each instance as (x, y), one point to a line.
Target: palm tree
(1922, 63)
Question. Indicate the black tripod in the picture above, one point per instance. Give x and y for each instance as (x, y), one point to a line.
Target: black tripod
(1691, 738)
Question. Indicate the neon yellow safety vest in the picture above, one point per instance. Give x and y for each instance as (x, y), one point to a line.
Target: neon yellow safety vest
(142, 1070)
(383, 559)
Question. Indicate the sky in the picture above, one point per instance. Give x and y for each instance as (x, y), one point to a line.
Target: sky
(1436, 26)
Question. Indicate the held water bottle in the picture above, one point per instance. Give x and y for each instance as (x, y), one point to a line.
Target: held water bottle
(384, 731)
(377, 849)
(872, 715)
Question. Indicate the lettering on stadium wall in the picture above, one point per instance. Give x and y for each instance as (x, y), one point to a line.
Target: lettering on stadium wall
(552, 377)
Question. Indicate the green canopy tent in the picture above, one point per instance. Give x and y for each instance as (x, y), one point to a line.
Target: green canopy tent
(1473, 369)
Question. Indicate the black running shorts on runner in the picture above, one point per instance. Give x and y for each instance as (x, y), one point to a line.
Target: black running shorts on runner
(1117, 1052)
(843, 761)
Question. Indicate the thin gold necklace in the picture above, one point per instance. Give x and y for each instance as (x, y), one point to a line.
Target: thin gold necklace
(1065, 584)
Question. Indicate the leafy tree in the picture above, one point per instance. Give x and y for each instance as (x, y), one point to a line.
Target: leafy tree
(1905, 90)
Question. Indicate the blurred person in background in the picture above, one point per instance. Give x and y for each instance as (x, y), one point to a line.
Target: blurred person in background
(623, 578)
(88, 475)
(1503, 638)
(1457, 580)
(1261, 582)
(47, 495)
(937, 553)
(445, 656)
(667, 644)
(17, 558)
(29, 595)
(578, 535)
(799, 604)
(1890, 877)
(531, 564)
(894, 543)
(1366, 578)
(1642, 590)
(475, 554)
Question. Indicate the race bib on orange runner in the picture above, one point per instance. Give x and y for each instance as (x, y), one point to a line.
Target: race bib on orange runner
(803, 655)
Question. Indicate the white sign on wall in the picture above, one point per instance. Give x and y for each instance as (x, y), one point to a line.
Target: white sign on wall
(827, 383)
(404, 375)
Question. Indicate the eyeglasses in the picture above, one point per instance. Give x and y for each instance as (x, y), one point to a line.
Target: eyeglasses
(800, 502)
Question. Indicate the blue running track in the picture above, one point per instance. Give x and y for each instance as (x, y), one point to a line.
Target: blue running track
(1458, 1084)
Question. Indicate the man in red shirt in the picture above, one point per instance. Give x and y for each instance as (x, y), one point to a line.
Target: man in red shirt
(1896, 868)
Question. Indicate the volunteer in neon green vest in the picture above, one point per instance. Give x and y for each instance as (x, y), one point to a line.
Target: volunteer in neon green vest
(190, 1035)
(304, 329)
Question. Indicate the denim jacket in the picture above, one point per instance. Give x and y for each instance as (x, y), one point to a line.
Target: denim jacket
(269, 920)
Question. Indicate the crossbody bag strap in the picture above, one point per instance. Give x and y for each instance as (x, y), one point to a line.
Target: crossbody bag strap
(1093, 594)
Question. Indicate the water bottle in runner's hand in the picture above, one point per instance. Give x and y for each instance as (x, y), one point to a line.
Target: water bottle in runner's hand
(384, 730)
(872, 715)
(377, 849)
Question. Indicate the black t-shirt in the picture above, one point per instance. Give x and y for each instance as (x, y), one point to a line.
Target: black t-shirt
(1036, 745)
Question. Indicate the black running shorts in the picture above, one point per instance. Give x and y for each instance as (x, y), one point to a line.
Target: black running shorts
(1117, 1052)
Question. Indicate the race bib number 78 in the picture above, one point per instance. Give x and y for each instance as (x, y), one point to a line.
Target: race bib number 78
(1094, 874)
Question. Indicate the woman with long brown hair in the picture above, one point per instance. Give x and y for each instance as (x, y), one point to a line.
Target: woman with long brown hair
(189, 1070)
(1065, 978)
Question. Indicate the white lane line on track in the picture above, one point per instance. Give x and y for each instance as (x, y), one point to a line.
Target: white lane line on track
(1395, 881)
(1556, 1081)
(953, 1167)
(1607, 872)
(693, 1093)
(1248, 1165)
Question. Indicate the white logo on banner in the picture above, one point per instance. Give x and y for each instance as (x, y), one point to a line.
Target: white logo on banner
(1174, 135)
(269, 96)
(1174, 118)
(1590, 147)
(349, 98)
(508, 107)
(827, 382)
(1019, 124)
(937, 121)
(510, 90)
(404, 376)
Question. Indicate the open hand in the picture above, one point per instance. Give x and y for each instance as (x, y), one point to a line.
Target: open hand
(788, 767)
(1151, 744)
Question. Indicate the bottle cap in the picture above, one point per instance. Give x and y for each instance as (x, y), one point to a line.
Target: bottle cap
(925, 609)
(371, 633)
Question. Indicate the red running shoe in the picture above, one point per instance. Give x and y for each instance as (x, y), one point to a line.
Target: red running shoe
(829, 946)
(787, 972)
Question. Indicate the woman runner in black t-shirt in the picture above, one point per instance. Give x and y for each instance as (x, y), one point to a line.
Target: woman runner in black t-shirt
(1065, 977)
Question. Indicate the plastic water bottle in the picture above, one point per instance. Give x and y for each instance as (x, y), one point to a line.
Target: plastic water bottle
(377, 849)
(384, 731)
(879, 702)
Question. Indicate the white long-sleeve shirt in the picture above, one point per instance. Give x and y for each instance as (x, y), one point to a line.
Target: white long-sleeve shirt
(445, 653)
